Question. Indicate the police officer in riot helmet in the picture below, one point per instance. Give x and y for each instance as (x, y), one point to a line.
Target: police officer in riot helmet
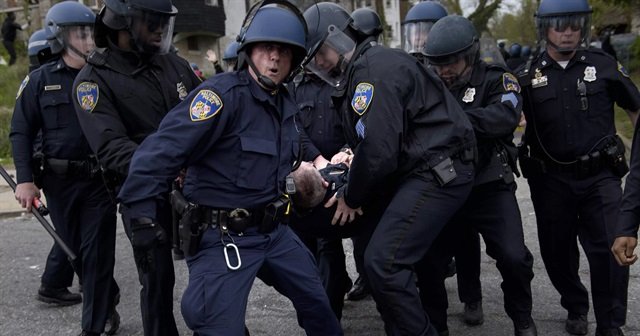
(413, 156)
(367, 22)
(573, 162)
(78, 201)
(246, 120)
(230, 56)
(417, 24)
(490, 96)
(121, 96)
(38, 49)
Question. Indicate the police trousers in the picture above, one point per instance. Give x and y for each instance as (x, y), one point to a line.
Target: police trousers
(491, 210)
(587, 209)
(415, 216)
(215, 300)
(157, 278)
(85, 218)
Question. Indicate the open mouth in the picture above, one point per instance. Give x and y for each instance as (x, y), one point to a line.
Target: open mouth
(273, 71)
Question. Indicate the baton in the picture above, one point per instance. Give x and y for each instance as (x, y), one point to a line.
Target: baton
(37, 210)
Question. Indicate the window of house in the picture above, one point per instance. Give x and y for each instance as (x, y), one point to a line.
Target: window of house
(192, 43)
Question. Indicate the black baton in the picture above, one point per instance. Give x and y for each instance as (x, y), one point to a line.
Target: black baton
(37, 210)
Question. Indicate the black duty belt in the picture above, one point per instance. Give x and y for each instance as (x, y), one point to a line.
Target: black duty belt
(239, 220)
(86, 167)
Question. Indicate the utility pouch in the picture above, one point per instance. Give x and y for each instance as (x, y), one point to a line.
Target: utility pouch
(274, 213)
(444, 171)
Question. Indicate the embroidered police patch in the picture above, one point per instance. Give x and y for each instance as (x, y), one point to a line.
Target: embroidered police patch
(205, 105)
(87, 94)
(362, 98)
(22, 86)
(622, 70)
(510, 83)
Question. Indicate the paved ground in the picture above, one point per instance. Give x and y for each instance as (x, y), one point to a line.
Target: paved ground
(24, 245)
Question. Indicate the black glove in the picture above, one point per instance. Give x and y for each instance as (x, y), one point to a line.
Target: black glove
(145, 233)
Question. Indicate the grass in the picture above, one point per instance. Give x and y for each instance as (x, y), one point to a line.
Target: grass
(11, 77)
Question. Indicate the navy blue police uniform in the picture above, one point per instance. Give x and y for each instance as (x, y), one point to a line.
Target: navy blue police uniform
(120, 100)
(79, 205)
(238, 143)
(411, 138)
(491, 98)
(629, 210)
(573, 167)
(323, 135)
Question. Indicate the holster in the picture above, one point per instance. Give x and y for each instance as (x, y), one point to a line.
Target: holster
(530, 166)
(191, 225)
(274, 213)
(37, 167)
(614, 156)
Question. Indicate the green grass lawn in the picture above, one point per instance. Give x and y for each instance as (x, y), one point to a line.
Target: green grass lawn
(10, 79)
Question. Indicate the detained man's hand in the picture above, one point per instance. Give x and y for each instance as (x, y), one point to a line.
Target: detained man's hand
(623, 250)
(344, 214)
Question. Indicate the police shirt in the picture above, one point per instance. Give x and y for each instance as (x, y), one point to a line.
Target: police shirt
(491, 99)
(44, 102)
(629, 218)
(399, 118)
(120, 99)
(319, 118)
(571, 109)
(237, 141)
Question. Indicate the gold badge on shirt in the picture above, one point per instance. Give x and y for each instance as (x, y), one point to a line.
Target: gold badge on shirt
(539, 80)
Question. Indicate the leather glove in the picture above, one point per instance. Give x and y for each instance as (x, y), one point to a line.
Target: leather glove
(145, 233)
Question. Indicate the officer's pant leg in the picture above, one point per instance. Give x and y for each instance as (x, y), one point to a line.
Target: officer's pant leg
(467, 256)
(609, 282)
(157, 277)
(215, 300)
(333, 271)
(497, 217)
(416, 215)
(96, 221)
(360, 242)
(431, 272)
(295, 275)
(58, 272)
(556, 214)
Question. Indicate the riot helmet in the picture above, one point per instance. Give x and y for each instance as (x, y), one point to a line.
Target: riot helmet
(515, 50)
(561, 15)
(367, 22)
(38, 49)
(149, 23)
(526, 51)
(452, 58)
(258, 27)
(230, 56)
(69, 25)
(417, 24)
(331, 41)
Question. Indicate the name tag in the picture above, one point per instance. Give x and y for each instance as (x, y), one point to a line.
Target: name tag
(53, 87)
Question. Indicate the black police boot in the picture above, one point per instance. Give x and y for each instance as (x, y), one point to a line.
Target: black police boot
(577, 324)
(609, 332)
(451, 268)
(473, 314)
(359, 291)
(113, 321)
(59, 296)
(525, 328)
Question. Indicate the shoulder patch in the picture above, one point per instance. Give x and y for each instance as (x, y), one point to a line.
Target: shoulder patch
(510, 82)
(622, 70)
(362, 98)
(24, 83)
(87, 94)
(205, 105)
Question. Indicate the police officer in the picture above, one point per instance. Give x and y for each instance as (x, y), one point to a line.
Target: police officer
(516, 59)
(490, 96)
(77, 199)
(575, 161)
(416, 147)
(627, 231)
(127, 87)
(417, 24)
(237, 137)
(38, 50)
(230, 56)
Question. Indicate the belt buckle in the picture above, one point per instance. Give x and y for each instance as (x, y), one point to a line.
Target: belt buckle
(239, 213)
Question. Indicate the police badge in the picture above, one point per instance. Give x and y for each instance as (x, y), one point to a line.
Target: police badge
(87, 94)
(362, 98)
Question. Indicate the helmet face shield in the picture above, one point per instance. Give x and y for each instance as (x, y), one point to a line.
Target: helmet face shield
(330, 57)
(576, 23)
(152, 32)
(414, 36)
(77, 39)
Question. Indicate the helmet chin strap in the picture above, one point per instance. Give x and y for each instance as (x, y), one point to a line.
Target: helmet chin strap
(563, 51)
(262, 79)
(77, 52)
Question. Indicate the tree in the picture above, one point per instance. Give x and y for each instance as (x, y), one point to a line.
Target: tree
(518, 26)
(484, 11)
